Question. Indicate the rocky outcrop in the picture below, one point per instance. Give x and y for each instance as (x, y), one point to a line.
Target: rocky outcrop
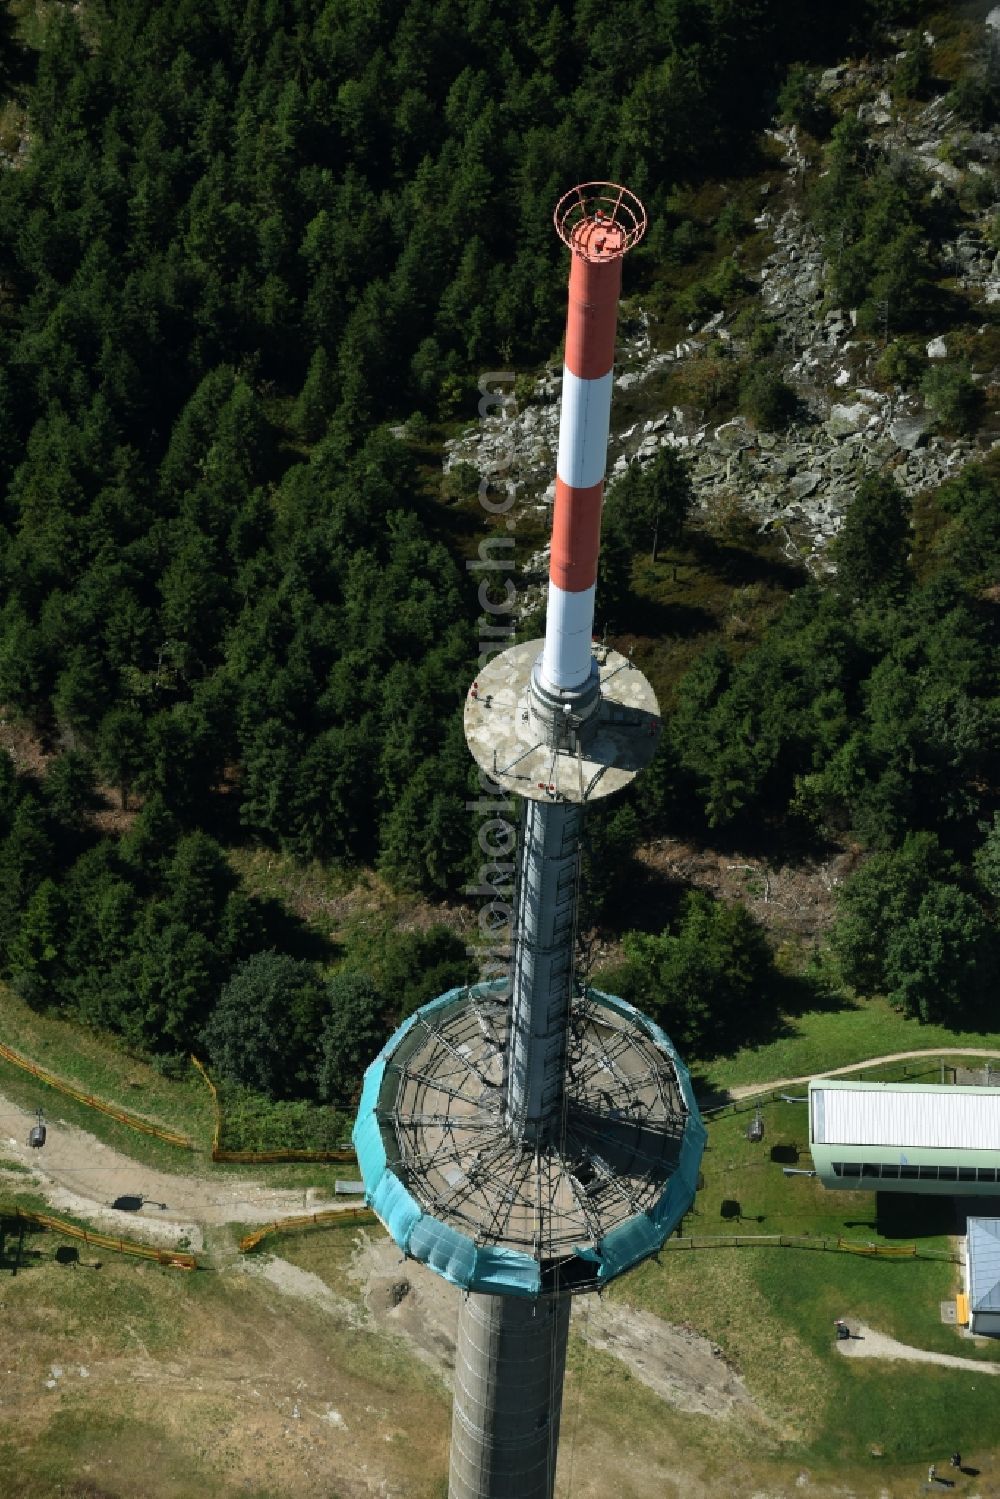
(799, 481)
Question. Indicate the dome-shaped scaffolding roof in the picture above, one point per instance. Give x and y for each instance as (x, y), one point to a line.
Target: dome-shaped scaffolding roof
(456, 1192)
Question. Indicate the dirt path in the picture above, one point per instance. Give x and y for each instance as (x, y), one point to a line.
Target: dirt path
(865, 1342)
(747, 1090)
(404, 1298)
(77, 1173)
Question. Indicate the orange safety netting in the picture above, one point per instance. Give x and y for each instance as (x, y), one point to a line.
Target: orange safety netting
(307, 1220)
(121, 1115)
(173, 1258)
(261, 1157)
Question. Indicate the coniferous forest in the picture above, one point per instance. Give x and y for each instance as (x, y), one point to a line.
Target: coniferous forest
(238, 244)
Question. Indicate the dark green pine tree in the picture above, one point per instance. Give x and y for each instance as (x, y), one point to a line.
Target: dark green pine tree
(873, 547)
(317, 399)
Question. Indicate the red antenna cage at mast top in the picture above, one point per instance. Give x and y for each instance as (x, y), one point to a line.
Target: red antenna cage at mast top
(600, 221)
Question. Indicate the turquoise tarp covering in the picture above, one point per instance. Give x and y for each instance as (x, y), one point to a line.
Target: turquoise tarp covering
(398, 1034)
(371, 1087)
(507, 1270)
(398, 1210)
(444, 1250)
(370, 1151)
(439, 1003)
(627, 1244)
(367, 1136)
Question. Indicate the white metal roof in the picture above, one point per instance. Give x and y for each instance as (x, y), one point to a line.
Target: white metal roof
(933, 1118)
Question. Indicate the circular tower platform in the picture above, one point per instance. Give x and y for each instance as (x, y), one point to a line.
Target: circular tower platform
(509, 742)
(457, 1193)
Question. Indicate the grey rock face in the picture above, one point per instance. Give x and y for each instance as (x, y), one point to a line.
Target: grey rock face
(908, 432)
(799, 481)
(804, 485)
(843, 420)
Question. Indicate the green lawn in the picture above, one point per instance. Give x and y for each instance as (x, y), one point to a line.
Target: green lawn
(102, 1066)
(738, 1171)
(772, 1310)
(821, 1039)
(324, 897)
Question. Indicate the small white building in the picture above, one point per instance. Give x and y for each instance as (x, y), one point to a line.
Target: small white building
(982, 1275)
(929, 1138)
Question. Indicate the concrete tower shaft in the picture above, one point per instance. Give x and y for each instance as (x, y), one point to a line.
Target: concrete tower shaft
(510, 1360)
(547, 898)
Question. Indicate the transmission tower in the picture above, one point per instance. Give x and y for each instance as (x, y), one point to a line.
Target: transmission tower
(530, 1138)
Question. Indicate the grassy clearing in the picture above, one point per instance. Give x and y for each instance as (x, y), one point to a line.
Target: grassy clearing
(617, 1437)
(200, 1384)
(33, 19)
(177, 1360)
(772, 1310)
(102, 1065)
(706, 589)
(750, 1175)
(28, 1093)
(333, 901)
(316, 894)
(821, 1039)
(13, 120)
(78, 1440)
(326, 1252)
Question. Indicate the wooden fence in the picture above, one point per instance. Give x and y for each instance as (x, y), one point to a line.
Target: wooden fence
(307, 1220)
(171, 1137)
(811, 1241)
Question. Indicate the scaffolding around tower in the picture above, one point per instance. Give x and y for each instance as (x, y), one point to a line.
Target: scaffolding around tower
(456, 1192)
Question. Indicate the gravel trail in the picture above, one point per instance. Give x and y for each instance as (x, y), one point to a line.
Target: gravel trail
(747, 1090)
(865, 1342)
(77, 1173)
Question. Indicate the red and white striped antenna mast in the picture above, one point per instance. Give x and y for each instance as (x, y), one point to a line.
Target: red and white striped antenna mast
(600, 222)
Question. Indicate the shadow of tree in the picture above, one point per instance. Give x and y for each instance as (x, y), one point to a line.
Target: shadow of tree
(741, 565)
